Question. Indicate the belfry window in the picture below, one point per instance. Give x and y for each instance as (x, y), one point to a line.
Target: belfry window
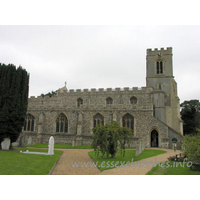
(109, 100)
(159, 67)
(62, 124)
(98, 119)
(79, 102)
(29, 123)
(128, 121)
(133, 100)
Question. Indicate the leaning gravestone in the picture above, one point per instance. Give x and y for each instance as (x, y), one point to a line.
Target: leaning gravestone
(51, 146)
(5, 144)
(140, 148)
(143, 146)
(29, 141)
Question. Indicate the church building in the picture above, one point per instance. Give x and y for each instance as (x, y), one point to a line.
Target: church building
(151, 112)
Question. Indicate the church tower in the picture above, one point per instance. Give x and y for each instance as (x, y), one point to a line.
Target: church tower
(159, 76)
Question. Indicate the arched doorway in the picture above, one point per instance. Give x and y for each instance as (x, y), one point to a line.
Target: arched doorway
(154, 138)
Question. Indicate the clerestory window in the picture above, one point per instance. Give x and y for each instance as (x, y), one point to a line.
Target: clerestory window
(133, 100)
(79, 102)
(109, 100)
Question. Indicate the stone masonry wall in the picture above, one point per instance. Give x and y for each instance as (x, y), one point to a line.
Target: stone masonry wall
(46, 110)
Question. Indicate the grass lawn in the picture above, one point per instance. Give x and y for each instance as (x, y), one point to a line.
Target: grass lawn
(16, 163)
(67, 146)
(172, 168)
(61, 146)
(111, 163)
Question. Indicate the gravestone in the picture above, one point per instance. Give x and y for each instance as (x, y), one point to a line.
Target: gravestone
(79, 141)
(21, 141)
(51, 146)
(140, 148)
(137, 151)
(33, 143)
(5, 144)
(73, 143)
(29, 141)
(143, 146)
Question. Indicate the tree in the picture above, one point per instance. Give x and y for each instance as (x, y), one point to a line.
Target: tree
(14, 86)
(191, 116)
(109, 137)
(50, 94)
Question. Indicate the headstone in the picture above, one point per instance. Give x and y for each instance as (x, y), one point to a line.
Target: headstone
(51, 146)
(140, 148)
(29, 141)
(21, 141)
(15, 144)
(5, 144)
(73, 143)
(143, 146)
(33, 143)
(137, 151)
(78, 141)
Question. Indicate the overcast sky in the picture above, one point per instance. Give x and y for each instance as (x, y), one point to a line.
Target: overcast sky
(100, 56)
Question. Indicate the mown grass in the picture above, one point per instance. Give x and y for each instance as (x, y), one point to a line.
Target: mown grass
(105, 162)
(61, 146)
(16, 163)
(172, 168)
(66, 146)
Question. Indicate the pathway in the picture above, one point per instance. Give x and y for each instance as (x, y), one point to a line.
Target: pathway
(64, 165)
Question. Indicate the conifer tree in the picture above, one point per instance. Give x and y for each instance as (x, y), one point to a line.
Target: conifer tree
(14, 86)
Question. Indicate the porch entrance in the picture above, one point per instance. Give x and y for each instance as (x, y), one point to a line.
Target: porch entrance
(154, 138)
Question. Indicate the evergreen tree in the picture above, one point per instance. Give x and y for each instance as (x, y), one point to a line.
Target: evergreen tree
(190, 114)
(14, 86)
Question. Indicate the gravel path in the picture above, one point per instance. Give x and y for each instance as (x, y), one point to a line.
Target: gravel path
(64, 165)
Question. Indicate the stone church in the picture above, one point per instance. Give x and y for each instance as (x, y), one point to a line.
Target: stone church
(151, 112)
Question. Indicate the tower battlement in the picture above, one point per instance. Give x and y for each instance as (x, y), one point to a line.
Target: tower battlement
(161, 50)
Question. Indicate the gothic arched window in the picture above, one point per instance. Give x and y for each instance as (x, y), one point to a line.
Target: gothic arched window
(128, 121)
(133, 100)
(29, 123)
(79, 102)
(62, 124)
(159, 67)
(98, 118)
(109, 100)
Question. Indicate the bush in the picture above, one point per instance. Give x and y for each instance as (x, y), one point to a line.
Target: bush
(110, 137)
(192, 147)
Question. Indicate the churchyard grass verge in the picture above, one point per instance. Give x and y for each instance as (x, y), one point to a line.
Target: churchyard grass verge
(61, 146)
(66, 146)
(172, 168)
(16, 163)
(119, 158)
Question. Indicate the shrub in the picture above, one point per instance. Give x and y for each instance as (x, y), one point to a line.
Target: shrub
(192, 147)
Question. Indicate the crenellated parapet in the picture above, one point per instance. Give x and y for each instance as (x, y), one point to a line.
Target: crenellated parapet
(94, 91)
(161, 50)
